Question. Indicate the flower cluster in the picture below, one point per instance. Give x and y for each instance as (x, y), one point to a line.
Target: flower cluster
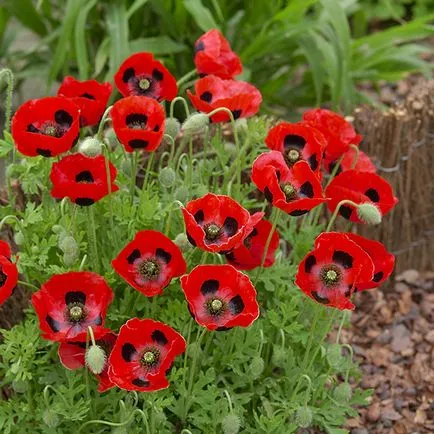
(323, 147)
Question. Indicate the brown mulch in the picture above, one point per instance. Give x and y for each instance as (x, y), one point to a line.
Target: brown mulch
(393, 339)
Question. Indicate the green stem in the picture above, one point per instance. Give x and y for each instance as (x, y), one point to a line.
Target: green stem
(134, 159)
(336, 212)
(29, 285)
(102, 122)
(7, 73)
(356, 157)
(174, 101)
(148, 170)
(341, 325)
(109, 185)
(186, 77)
(91, 238)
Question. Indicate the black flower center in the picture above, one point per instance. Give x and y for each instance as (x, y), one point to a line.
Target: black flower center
(76, 312)
(212, 231)
(136, 121)
(150, 357)
(149, 269)
(51, 129)
(289, 191)
(330, 275)
(215, 306)
(3, 278)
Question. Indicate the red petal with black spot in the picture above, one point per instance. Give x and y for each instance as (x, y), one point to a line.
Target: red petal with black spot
(297, 142)
(295, 190)
(332, 271)
(359, 187)
(363, 163)
(150, 262)
(220, 297)
(67, 304)
(143, 353)
(383, 260)
(338, 132)
(8, 272)
(249, 255)
(47, 126)
(82, 179)
(90, 96)
(72, 356)
(217, 223)
(241, 98)
(213, 55)
(138, 123)
(142, 75)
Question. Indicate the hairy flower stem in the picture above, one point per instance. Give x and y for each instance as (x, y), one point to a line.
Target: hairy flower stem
(104, 119)
(106, 152)
(7, 74)
(134, 161)
(29, 285)
(356, 157)
(174, 101)
(341, 325)
(91, 239)
(274, 219)
(148, 170)
(186, 77)
(336, 212)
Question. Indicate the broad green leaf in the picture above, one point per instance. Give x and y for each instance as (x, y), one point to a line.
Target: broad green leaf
(135, 7)
(102, 56)
(295, 11)
(202, 15)
(80, 41)
(157, 45)
(4, 18)
(25, 12)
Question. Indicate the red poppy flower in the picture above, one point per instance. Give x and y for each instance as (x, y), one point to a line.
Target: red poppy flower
(72, 356)
(220, 297)
(82, 179)
(150, 262)
(47, 126)
(249, 254)
(359, 187)
(144, 351)
(297, 142)
(241, 98)
(363, 163)
(142, 75)
(217, 223)
(8, 272)
(338, 132)
(138, 123)
(384, 261)
(330, 273)
(90, 96)
(213, 55)
(295, 190)
(69, 303)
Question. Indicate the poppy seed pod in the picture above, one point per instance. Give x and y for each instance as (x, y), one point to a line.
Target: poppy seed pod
(19, 238)
(70, 258)
(257, 367)
(67, 243)
(303, 417)
(334, 356)
(172, 127)
(279, 357)
(167, 177)
(181, 240)
(231, 424)
(95, 359)
(91, 147)
(50, 418)
(369, 213)
(195, 124)
(182, 193)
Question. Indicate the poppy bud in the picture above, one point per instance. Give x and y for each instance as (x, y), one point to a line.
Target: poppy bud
(369, 213)
(126, 167)
(182, 193)
(90, 147)
(50, 418)
(95, 359)
(202, 190)
(69, 259)
(111, 138)
(20, 386)
(343, 393)
(35, 250)
(231, 424)
(172, 128)
(19, 238)
(241, 125)
(334, 356)
(67, 244)
(167, 177)
(279, 356)
(303, 417)
(119, 430)
(230, 148)
(195, 124)
(57, 229)
(257, 367)
(182, 242)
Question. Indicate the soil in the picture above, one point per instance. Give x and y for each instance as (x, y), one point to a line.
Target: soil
(392, 336)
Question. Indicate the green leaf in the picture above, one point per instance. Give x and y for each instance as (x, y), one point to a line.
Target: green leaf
(5, 148)
(102, 56)
(62, 49)
(135, 7)
(26, 13)
(295, 11)
(80, 41)
(118, 31)
(157, 45)
(202, 15)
